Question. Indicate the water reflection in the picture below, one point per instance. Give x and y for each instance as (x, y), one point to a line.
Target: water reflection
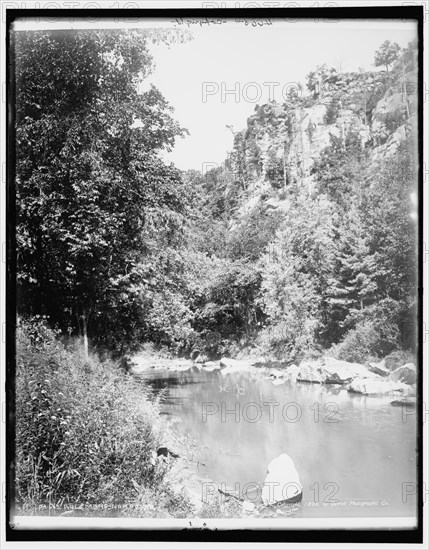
(353, 453)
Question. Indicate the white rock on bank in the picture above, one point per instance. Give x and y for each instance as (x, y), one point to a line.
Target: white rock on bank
(292, 372)
(334, 371)
(230, 366)
(330, 371)
(309, 372)
(141, 363)
(380, 386)
(211, 366)
(277, 373)
(282, 481)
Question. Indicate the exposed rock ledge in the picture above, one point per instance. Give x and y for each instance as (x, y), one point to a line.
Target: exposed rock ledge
(332, 371)
(377, 386)
(374, 379)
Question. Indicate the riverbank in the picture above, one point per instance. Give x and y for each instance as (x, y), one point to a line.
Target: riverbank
(391, 376)
(88, 436)
(388, 381)
(91, 439)
(245, 415)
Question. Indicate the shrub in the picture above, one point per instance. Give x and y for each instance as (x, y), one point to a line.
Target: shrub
(368, 340)
(86, 435)
(275, 171)
(287, 341)
(399, 358)
(332, 111)
(392, 120)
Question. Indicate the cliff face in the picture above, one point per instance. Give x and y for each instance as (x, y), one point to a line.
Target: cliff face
(273, 158)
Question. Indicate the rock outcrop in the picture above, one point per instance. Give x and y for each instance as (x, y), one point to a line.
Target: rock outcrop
(335, 371)
(229, 366)
(202, 358)
(331, 371)
(376, 386)
(379, 368)
(409, 402)
(211, 366)
(282, 141)
(309, 371)
(407, 374)
(292, 372)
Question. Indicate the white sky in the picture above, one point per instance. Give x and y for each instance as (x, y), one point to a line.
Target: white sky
(239, 54)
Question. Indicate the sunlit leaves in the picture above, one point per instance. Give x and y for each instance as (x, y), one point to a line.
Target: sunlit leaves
(93, 198)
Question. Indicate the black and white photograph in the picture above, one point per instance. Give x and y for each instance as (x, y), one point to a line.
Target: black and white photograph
(215, 252)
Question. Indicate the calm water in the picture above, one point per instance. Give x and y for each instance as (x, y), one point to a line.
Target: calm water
(354, 453)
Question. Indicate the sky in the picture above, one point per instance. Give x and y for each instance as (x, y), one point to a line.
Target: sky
(192, 76)
(195, 77)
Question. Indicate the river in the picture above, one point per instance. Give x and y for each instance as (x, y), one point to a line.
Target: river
(355, 454)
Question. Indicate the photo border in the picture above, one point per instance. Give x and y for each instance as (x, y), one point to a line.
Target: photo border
(198, 534)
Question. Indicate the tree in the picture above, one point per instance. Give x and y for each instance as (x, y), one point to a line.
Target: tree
(93, 198)
(387, 54)
(295, 274)
(339, 168)
(392, 232)
(316, 79)
(351, 286)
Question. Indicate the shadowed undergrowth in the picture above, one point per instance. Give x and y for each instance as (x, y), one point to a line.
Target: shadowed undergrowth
(86, 436)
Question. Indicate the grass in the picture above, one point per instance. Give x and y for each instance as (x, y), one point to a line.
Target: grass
(86, 436)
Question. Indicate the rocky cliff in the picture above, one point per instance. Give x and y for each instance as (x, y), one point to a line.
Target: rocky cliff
(273, 158)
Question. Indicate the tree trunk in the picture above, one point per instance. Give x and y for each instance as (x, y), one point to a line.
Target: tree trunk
(343, 135)
(404, 92)
(284, 165)
(85, 332)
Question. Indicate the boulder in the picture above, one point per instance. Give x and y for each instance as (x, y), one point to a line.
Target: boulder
(202, 358)
(396, 359)
(409, 402)
(282, 481)
(309, 372)
(334, 371)
(292, 372)
(229, 366)
(254, 360)
(412, 391)
(276, 373)
(376, 386)
(165, 452)
(142, 362)
(407, 374)
(182, 366)
(211, 366)
(379, 368)
(330, 371)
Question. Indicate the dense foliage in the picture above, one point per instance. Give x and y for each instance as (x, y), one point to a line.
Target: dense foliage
(86, 436)
(95, 204)
(337, 266)
(117, 246)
